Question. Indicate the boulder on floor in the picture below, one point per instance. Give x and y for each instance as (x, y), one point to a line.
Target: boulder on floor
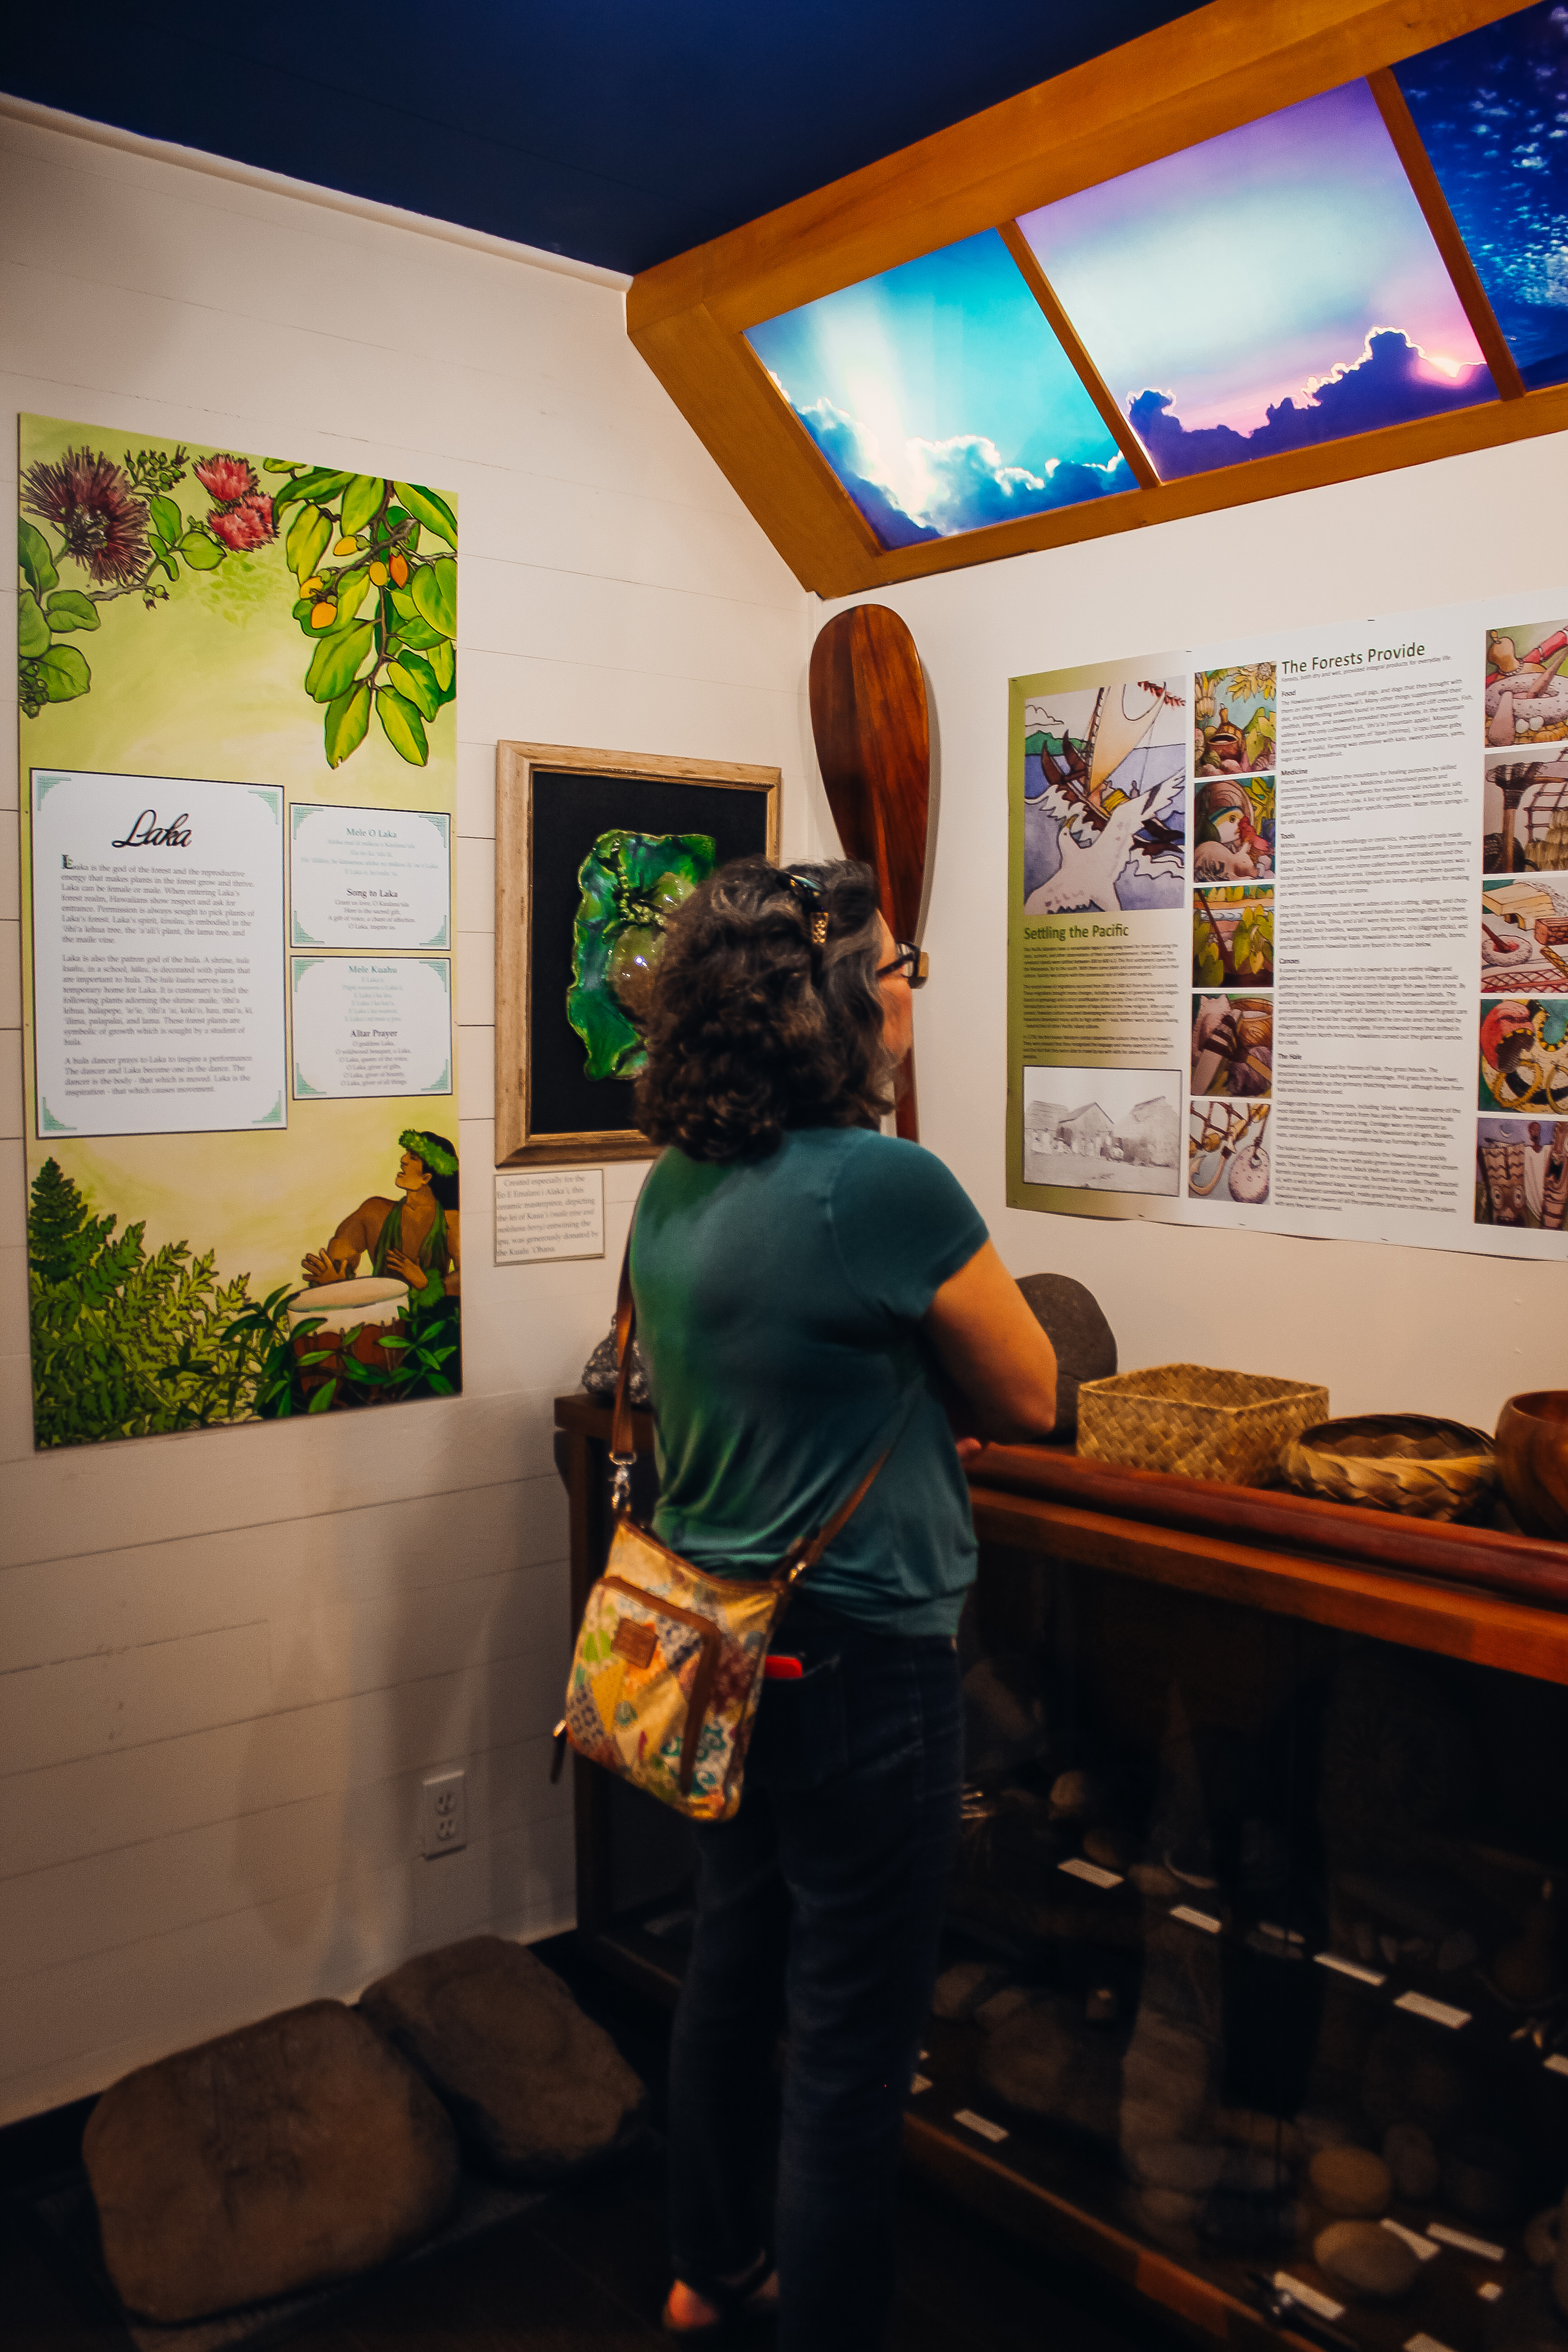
(535, 2087)
(295, 2151)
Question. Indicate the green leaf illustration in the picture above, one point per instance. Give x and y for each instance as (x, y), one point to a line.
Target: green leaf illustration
(321, 482)
(360, 500)
(414, 678)
(67, 608)
(412, 631)
(435, 587)
(201, 551)
(166, 520)
(347, 721)
(427, 509)
(336, 660)
(352, 589)
(631, 884)
(402, 726)
(307, 542)
(64, 673)
(443, 660)
(33, 555)
(32, 629)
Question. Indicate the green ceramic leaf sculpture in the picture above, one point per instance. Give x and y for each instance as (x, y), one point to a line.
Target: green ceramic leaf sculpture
(632, 883)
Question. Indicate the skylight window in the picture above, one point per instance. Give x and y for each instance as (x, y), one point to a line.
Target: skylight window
(1271, 288)
(940, 397)
(1492, 111)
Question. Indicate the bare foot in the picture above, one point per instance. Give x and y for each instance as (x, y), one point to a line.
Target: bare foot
(687, 2312)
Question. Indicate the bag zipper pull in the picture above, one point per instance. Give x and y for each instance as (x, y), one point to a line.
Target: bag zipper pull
(559, 1758)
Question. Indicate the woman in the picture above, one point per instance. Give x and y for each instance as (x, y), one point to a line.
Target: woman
(417, 1238)
(805, 1288)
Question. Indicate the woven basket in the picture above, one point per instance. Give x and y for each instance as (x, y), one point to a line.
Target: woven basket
(1199, 1423)
(1405, 1461)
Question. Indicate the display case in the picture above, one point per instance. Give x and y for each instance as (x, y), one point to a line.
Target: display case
(1255, 1983)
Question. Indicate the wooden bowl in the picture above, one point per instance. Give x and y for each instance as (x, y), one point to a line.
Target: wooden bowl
(1532, 1458)
(1406, 1462)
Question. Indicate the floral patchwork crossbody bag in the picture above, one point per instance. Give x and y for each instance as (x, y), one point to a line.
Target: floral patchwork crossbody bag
(670, 1661)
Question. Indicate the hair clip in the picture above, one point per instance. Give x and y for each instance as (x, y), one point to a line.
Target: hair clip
(807, 892)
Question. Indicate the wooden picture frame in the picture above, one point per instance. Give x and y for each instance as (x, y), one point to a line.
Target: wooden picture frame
(1230, 63)
(553, 800)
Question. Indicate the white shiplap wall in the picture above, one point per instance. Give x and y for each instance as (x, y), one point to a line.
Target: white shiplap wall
(229, 1658)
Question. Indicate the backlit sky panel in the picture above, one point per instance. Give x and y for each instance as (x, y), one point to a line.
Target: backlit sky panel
(1253, 270)
(1492, 111)
(941, 397)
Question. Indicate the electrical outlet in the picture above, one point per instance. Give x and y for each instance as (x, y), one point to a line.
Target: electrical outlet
(443, 1813)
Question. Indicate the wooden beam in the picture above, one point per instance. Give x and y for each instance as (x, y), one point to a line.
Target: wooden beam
(1230, 63)
(1089, 375)
(1412, 152)
(1224, 65)
(1450, 1621)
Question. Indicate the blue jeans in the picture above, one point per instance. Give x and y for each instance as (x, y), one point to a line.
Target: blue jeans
(819, 1903)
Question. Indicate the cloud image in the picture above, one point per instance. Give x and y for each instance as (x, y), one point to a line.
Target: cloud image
(959, 484)
(1391, 382)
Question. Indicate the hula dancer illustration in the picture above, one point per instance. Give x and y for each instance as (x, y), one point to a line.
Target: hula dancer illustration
(416, 1238)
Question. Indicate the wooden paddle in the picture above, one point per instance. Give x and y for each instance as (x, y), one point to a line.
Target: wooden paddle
(873, 746)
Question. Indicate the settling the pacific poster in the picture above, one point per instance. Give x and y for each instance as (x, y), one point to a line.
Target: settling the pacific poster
(237, 680)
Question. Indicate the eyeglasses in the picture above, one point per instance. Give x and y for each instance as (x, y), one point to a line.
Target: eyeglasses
(912, 962)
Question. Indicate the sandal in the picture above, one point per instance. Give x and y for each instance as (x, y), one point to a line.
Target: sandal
(735, 2303)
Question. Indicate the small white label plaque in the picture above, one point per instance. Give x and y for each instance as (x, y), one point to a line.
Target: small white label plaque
(1440, 2012)
(981, 2124)
(1308, 2297)
(1091, 1871)
(549, 1212)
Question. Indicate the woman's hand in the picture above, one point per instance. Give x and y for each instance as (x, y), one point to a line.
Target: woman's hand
(413, 1273)
(991, 1348)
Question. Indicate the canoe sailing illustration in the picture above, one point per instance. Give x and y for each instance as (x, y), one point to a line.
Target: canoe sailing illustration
(1104, 817)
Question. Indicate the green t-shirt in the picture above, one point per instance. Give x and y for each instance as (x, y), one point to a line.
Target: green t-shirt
(778, 1306)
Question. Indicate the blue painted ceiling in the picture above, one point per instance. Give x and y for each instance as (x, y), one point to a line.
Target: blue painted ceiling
(618, 131)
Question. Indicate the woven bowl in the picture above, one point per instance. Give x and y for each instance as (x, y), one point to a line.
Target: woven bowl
(1532, 1459)
(1406, 1462)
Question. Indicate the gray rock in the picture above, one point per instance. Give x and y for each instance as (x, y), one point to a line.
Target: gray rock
(1480, 2178)
(1366, 2260)
(538, 2089)
(962, 1988)
(295, 2151)
(1541, 2238)
(1412, 2162)
(1350, 2180)
(1047, 2060)
(1000, 2007)
(1072, 1319)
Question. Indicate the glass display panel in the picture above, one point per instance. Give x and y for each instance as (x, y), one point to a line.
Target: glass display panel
(1256, 1930)
(940, 397)
(1271, 288)
(1492, 111)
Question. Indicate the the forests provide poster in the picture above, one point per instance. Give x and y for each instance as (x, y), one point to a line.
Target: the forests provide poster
(236, 679)
(1288, 933)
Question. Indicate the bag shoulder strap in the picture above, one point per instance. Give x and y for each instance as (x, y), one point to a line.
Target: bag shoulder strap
(624, 1454)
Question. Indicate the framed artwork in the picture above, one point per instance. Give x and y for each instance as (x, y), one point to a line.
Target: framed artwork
(594, 850)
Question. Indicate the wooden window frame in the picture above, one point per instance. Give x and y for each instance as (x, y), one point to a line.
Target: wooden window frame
(517, 1143)
(1228, 64)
